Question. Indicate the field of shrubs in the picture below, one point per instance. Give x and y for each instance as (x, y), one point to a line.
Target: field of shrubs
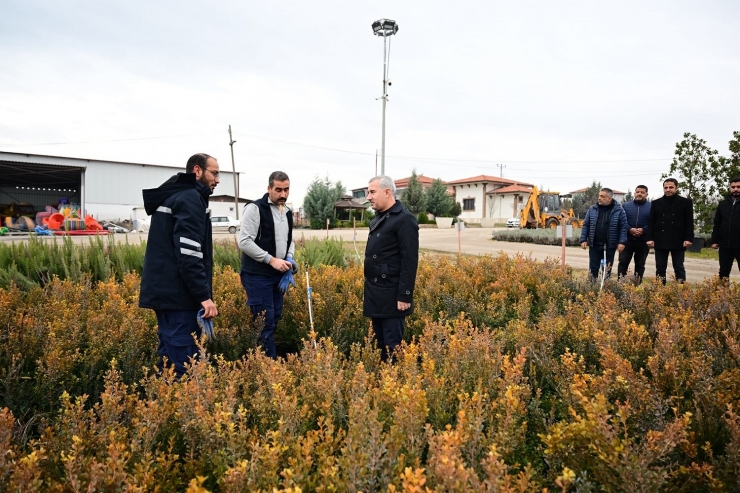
(516, 376)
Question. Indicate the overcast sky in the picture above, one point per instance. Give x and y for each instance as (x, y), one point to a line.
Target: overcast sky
(558, 93)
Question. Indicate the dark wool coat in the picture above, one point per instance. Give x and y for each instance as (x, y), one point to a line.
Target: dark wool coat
(726, 231)
(671, 222)
(391, 259)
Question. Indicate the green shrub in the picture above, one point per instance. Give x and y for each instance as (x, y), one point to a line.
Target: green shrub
(317, 252)
(537, 236)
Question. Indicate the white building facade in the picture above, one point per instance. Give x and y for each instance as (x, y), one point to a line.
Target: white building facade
(489, 200)
(106, 190)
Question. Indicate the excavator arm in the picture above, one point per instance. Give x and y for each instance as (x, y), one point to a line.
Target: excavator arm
(530, 215)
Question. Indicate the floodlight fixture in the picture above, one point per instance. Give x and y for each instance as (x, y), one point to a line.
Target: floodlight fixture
(384, 28)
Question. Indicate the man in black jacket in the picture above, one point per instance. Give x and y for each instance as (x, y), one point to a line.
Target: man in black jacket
(671, 230)
(391, 259)
(726, 231)
(266, 242)
(178, 265)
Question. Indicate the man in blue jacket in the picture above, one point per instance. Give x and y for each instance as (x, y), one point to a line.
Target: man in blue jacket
(604, 230)
(638, 217)
(178, 265)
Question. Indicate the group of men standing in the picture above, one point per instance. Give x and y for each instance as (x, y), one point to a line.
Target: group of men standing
(665, 224)
(178, 265)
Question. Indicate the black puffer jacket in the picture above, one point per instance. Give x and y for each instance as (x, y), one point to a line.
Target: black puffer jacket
(178, 265)
(726, 231)
(391, 259)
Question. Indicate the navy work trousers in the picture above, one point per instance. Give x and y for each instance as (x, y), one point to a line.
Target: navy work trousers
(388, 334)
(265, 299)
(176, 342)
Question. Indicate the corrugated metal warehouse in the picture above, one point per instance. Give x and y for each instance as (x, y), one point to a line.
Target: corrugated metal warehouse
(107, 190)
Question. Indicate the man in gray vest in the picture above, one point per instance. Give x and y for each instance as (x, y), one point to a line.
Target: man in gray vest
(266, 242)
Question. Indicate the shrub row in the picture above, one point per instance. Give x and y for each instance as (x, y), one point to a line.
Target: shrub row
(537, 236)
(515, 377)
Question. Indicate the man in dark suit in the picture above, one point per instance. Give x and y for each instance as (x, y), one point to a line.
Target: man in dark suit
(671, 230)
(391, 259)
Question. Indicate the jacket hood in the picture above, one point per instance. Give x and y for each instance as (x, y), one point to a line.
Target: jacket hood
(154, 197)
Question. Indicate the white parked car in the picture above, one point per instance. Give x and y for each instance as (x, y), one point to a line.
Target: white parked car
(512, 223)
(225, 223)
(115, 228)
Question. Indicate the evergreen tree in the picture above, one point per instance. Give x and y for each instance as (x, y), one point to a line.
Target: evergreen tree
(582, 201)
(319, 201)
(436, 199)
(413, 195)
(456, 209)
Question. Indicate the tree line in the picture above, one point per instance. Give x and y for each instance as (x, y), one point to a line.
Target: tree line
(703, 175)
(322, 194)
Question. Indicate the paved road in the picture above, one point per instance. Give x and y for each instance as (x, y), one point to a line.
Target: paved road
(476, 241)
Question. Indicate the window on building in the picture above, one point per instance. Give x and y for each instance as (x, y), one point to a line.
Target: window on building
(468, 204)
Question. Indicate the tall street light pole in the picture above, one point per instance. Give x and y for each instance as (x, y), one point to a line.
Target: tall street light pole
(385, 28)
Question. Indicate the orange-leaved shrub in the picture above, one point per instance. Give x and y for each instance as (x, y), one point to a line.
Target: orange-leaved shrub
(514, 376)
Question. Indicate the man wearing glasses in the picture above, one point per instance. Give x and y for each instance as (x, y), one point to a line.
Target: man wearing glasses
(178, 265)
(266, 242)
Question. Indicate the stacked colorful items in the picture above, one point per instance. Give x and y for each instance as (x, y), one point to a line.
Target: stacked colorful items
(68, 221)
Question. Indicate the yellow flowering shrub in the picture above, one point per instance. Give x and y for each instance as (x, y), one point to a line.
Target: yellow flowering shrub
(514, 376)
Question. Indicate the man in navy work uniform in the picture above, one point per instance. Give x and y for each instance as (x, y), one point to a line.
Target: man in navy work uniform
(266, 242)
(391, 260)
(638, 215)
(604, 230)
(178, 265)
(726, 231)
(671, 230)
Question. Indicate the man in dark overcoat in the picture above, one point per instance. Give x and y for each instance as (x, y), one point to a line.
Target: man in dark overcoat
(391, 260)
(671, 230)
(726, 231)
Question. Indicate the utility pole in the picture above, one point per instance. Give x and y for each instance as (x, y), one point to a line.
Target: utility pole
(233, 170)
(501, 167)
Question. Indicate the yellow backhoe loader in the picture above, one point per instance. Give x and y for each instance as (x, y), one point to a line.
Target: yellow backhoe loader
(543, 210)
